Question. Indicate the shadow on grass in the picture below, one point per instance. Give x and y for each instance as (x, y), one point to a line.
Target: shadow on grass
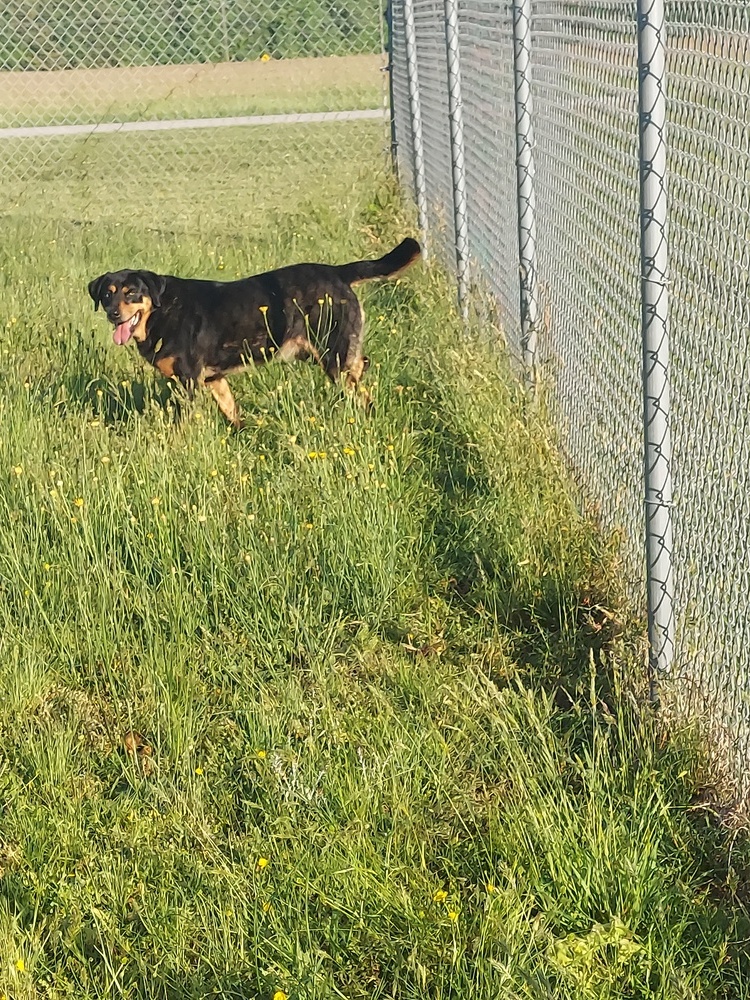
(81, 379)
(115, 403)
(569, 638)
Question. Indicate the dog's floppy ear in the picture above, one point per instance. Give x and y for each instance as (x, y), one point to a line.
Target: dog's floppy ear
(155, 285)
(96, 287)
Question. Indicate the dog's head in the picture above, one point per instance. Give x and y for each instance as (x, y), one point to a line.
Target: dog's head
(128, 298)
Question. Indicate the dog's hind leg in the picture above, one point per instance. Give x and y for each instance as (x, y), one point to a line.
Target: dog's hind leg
(297, 349)
(347, 360)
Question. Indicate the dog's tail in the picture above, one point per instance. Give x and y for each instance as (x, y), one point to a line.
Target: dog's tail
(386, 267)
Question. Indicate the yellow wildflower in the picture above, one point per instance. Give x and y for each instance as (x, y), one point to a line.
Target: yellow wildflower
(262, 863)
(261, 754)
(265, 58)
(18, 470)
(78, 501)
(20, 965)
(440, 896)
(452, 915)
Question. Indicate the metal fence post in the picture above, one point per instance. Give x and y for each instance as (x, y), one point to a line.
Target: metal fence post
(388, 68)
(455, 113)
(415, 109)
(654, 298)
(525, 183)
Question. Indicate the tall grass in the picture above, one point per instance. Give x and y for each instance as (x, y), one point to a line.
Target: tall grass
(389, 739)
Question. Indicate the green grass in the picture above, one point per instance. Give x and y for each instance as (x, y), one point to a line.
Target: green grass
(376, 652)
(139, 186)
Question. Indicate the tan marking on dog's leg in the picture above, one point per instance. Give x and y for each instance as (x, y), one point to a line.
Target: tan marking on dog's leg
(352, 385)
(165, 366)
(297, 348)
(355, 365)
(219, 389)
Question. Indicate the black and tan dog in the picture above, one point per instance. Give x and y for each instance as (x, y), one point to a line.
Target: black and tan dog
(198, 332)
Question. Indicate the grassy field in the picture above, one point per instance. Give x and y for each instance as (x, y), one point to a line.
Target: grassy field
(203, 90)
(389, 737)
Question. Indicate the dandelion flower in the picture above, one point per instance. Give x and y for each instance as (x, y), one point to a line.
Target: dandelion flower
(490, 887)
(199, 770)
(349, 451)
(78, 501)
(20, 965)
(440, 896)
(280, 996)
(261, 754)
(262, 863)
(452, 915)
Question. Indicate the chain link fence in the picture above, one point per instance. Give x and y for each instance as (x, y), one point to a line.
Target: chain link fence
(569, 228)
(166, 102)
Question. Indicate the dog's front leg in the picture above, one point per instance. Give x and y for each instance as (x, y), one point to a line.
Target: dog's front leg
(219, 389)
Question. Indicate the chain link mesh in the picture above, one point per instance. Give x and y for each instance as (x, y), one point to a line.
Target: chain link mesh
(709, 167)
(584, 93)
(90, 89)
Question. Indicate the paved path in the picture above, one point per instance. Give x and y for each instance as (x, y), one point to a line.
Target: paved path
(103, 128)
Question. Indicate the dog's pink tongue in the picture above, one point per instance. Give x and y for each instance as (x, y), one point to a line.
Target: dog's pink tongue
(122, 333)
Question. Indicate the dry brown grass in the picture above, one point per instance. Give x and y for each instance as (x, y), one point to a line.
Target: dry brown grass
(208, 88)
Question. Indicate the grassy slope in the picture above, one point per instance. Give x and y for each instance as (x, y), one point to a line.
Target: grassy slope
(344, 640)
